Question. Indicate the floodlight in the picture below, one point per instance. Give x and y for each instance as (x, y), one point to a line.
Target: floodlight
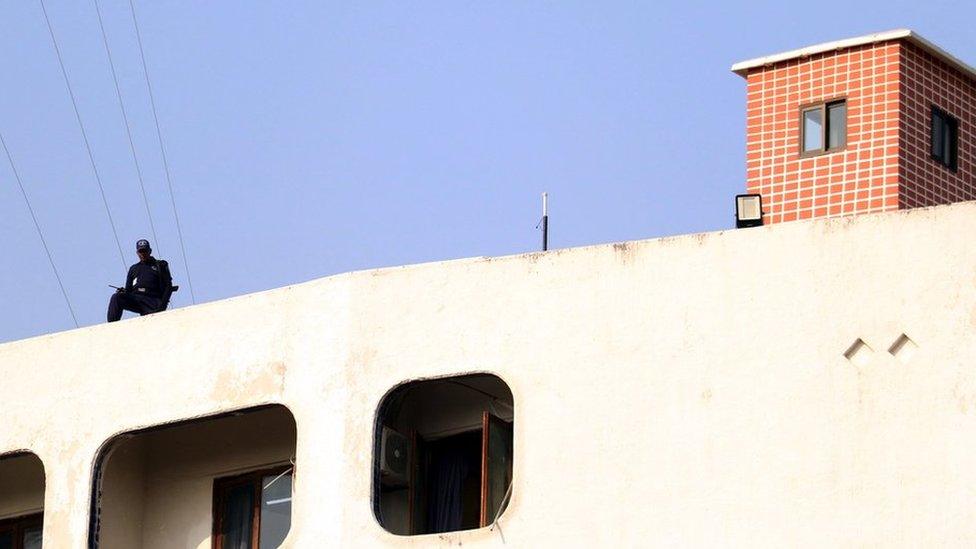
(748, 210)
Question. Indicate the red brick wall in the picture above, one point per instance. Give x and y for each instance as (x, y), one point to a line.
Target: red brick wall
(862, 177)
(926, 81)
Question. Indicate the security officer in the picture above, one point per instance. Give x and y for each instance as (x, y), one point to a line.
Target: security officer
(147, 287)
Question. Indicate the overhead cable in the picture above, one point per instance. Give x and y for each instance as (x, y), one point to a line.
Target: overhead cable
(38, 227)
(84, 135)
(162, 149)
(125, 120)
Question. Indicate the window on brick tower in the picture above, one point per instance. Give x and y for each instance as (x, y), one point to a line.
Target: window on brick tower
(823, 127)
(945, 138)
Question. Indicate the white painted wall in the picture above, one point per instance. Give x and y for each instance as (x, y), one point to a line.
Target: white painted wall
(685, 391)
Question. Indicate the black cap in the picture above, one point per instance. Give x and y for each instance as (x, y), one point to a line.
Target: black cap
(143, 245)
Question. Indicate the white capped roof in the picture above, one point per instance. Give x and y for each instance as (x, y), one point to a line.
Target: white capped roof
(742, 68)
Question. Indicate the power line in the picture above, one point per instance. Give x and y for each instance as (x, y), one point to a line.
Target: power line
(162, 149)
(125, 120)
(38, 227)
(84, 135)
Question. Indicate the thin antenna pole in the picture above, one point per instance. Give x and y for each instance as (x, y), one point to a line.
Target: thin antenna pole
(545, 221)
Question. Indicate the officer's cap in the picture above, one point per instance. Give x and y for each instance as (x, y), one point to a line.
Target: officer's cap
(143, 244)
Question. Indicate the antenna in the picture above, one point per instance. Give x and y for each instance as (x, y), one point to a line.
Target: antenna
(545, 221)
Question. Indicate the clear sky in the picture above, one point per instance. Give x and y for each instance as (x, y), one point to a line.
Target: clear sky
(307, 139)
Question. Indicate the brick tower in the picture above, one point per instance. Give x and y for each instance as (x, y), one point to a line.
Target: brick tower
(876, 123)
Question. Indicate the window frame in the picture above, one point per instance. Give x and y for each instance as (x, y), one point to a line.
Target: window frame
(952, 163)
(823, 107)
(18, 525)
(223, 485)
(422, 449)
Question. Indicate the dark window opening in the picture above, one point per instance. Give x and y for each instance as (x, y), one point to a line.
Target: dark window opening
(223, 482)
(443, 455)
(945, 138)
(823, 127)
(22, 501)
(252, 510)
(22, 532)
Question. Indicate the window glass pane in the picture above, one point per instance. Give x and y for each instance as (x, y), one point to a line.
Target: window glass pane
(32, 538)
(275, 510)
(499, 466)
(812, 130)
(836, 125)
(949, 143)
(938, 136)
(7, 540)
(236, 527)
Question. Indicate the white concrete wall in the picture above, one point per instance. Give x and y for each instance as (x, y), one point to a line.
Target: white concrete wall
(686, 391)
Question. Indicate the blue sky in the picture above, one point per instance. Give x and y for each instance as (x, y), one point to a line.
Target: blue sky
(307, 139)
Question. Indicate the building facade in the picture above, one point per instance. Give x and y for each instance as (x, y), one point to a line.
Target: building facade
(876, 123)
(801, 384)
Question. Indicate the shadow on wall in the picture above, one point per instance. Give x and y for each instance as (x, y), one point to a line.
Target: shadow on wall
(21, 501)
(225, 480)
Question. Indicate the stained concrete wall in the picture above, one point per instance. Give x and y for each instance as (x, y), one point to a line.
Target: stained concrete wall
(685, 391)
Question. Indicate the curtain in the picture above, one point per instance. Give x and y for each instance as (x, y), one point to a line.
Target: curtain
(32, 538)
(238, 507)
(447, 478)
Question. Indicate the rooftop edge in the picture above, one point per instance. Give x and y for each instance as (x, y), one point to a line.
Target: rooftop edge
(742, 68)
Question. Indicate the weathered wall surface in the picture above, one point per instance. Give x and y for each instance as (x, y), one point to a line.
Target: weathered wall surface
(687, 391)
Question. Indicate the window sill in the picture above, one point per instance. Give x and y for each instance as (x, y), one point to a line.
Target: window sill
(811, 154)
(938, 160)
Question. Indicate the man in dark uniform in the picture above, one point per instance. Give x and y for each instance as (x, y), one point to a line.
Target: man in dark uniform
(148, 286)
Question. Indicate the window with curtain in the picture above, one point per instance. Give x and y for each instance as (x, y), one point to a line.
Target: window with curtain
(22, 532)
(253, 510)
(443, 457)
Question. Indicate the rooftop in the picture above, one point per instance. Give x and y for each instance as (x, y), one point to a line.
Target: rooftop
(742, 68)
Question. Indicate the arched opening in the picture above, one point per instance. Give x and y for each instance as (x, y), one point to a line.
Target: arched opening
(21, 501)
(223, 481)
(443, 454)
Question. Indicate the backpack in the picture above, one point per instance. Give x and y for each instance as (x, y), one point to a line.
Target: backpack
(167, 280)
